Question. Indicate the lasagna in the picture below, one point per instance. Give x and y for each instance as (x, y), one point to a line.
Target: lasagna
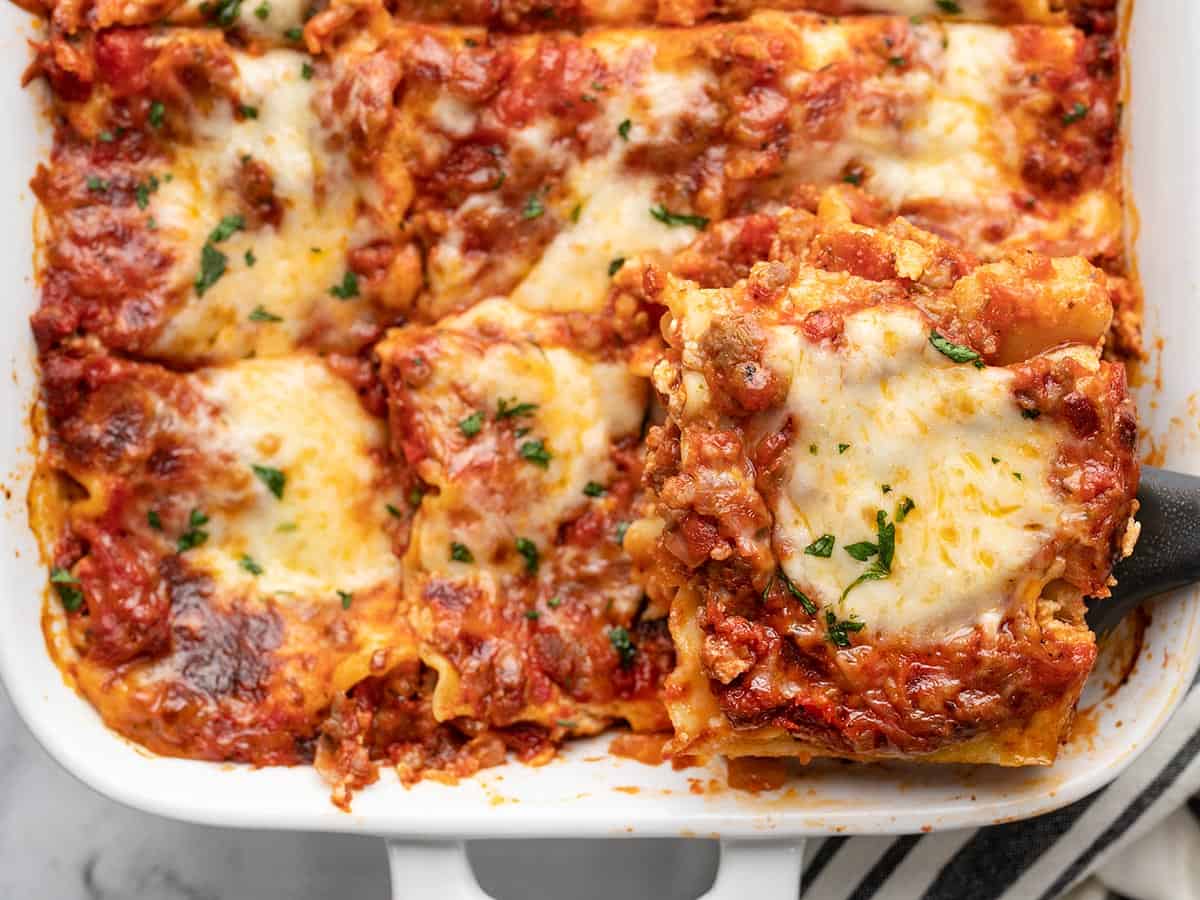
(428, 384)
(833, 590)
(521, 592)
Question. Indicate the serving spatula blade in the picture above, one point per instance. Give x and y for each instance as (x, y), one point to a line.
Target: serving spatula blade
(1167, 555)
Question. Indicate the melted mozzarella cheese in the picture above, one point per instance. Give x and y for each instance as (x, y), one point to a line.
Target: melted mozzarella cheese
(952, 142)
(664, 97)
(888, 410)
(326, 532)
(614, 223)
(294, 265)
(264, 19)
(453, 116)
(614, 220)
(582, 407)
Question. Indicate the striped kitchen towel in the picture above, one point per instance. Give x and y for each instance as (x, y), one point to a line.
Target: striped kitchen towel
(1136, 838)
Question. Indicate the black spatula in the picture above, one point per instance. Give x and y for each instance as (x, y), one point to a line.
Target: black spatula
(1167, 555)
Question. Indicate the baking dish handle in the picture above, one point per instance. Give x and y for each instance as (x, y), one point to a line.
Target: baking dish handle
(440, 870)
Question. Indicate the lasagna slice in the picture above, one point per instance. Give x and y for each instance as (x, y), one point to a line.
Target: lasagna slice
(888, 479)
(521, 592)
(199, 209)
(222, 547)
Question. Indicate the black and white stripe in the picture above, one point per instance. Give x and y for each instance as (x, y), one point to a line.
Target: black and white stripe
(1037, 859)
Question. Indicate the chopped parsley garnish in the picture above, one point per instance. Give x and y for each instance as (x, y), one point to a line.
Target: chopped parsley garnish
(886, 488)
(294, 33)
(529, 551)
(670, 219)
(248, 563)
(532, 614)
(862, 551)
(66, 585)
(248, 112)
(415, 495)
(842, 448)
(348, 288)
(885, 547)
(154, 520)
(619, 534)
(854, 177)
(225, 12)
(896, 61)
(511, 409)
(250, 258)
(554, 602)
(212, 267)
(1077, 113)
(615, 266)
(623, 129)
(346, 597)
(839, 631)
(195, 534)
(576, 210)
(619, 638)
(393, 511)
(306, 71)
(949, 6)
(1018, 476)
(995, 459)
(105, 137)
(284, 527)
(781, 576)
(904, 507)
(97, 184)
(461, 553)
(593, 489)
(564, 723)
(263, 11)
(955, 352)
(1030, 413)
(813, 448)
(259, 314)
(536, 453)
(226, 228)
(472, 424)
(152, 224)
(533, 207)
(141, 193)
(274, 479)
(157, 114)
(822, 546)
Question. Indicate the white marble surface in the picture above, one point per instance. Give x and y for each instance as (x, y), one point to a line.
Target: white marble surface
(60, 840)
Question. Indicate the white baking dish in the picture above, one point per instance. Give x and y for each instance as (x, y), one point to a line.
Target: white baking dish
(586, 793)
